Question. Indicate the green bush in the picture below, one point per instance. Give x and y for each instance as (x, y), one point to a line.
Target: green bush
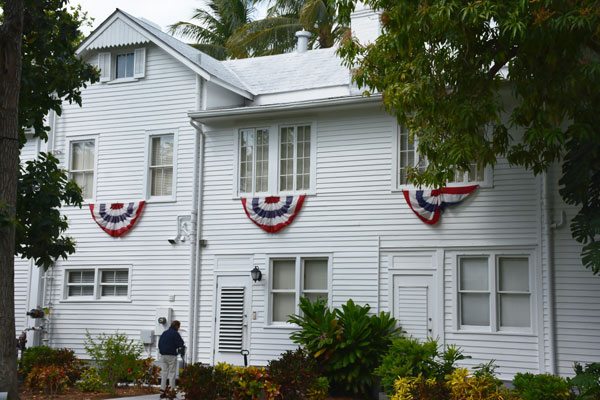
(90, 381)
(44, 356)
(347, 343)
(197, 381)
(408, 357)
(117, 358)
(586, 381)
(297, 377)
(541, 387)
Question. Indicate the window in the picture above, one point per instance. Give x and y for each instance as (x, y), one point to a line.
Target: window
(292, 278)
(494, 292)
(273, 160)
(407, 156)
(294, 158)
(124, 66)
(254, 160)
(97, 284)
(82, 166)
(161, 165)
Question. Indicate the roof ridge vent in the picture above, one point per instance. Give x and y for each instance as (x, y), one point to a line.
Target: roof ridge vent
(303, 37)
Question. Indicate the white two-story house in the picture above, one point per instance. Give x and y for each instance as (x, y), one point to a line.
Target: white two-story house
(209, 146)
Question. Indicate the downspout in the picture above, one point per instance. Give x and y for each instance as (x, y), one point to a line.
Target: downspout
(548, 252)
(196, 248)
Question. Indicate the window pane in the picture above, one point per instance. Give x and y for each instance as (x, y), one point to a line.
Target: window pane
(284, 276)
(314, 296)
(513, 274)
(88, 159)
(474, 274)
(88, 186)
(108, 277)
(514, 310)
(315, 274)
(77, 156)
(129, 68)
(162, 151)
(108, 290)
(283, 306)
(121, 291)
(162, 181)
(475, 309)
(122, 277)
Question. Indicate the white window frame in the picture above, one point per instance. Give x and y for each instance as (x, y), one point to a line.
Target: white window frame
(97, 284)
(274, 149)
(139, 67)
(84, 138)
(487, 182)
(148, 158)
(493, 257)
(299, 281)
(254, 192)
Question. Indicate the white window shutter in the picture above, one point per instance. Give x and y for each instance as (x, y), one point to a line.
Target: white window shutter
(139, 67)
(104, 65)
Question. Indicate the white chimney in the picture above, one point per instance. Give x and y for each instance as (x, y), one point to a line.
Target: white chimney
(303, 37)
(365, 24)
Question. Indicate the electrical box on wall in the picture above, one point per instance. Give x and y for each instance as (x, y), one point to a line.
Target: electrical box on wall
(146, 336)
(162, 320)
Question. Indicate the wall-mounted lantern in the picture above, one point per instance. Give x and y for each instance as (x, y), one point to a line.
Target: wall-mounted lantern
(256, 274)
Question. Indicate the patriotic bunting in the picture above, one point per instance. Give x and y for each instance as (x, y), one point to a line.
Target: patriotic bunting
(273, 213)
(116, 218)
(428, 204)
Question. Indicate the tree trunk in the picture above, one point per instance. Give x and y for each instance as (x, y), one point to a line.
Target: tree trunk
(11, 33)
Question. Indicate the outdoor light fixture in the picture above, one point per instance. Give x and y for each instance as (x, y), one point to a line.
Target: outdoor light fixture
(256, 274)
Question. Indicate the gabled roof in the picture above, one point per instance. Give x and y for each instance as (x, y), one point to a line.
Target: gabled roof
(291, 71)
(134, 30)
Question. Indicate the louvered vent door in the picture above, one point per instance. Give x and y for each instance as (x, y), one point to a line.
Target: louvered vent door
(231, 319)
(412, 311)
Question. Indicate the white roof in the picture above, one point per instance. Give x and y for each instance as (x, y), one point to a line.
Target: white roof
(291, 71)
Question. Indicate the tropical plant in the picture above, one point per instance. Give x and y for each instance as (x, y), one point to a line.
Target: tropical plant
(117, 357)
(409, 357)
(296, 376)
(275, 33)
(347, 343)
(90, 381)
(48, 379)
(541, 387)
(586, 381)
(216, 24)
(462, 385)
(477, 81)
(44, 356)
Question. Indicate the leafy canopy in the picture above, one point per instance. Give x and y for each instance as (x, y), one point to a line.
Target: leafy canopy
(474, 81)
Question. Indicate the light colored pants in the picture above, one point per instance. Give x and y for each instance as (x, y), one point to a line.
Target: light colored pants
(169, 368)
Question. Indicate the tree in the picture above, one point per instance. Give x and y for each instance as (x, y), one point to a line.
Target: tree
(42, 37)
(275, 33)
(476, 80)
(217, 24)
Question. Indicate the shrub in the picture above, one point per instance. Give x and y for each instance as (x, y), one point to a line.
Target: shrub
(408, 357)
(348, 344)
(90, 381)
(148, 372)
(48, 379)
(116, 356)
(250, 383)
(479, 386)
(196, 380)
(586, 381)
(44, 356)
(418, 387)
(296, 376)
(541, 387)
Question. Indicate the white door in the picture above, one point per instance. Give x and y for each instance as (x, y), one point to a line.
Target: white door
(414, 305)
(231, 320)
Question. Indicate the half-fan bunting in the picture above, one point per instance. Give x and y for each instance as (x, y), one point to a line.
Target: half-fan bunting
(116, 218)
(429, 204)
(273, 213)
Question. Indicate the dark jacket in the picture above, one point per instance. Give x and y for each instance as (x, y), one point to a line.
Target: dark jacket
(169, 342)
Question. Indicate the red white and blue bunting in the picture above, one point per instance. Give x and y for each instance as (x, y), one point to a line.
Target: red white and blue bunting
(116, 218)
(273, 213)
(429, 204)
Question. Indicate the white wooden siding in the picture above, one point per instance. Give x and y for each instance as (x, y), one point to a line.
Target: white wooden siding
(120, 114)
(21, 293)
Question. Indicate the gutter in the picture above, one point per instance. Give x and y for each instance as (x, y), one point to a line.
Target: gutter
(283, 107)
(195, 248)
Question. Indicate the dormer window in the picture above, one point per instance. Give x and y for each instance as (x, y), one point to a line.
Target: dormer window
(125, 65)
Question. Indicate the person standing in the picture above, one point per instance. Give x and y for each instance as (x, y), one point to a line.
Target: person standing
(169, 342)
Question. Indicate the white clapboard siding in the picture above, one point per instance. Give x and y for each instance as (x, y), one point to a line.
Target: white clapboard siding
(119, 115)
(22, 271)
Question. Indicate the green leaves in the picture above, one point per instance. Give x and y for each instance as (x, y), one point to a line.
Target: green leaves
(348, 342)
(477, 81)
(43, 188)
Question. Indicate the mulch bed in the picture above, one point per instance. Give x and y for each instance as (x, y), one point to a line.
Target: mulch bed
(76, 394)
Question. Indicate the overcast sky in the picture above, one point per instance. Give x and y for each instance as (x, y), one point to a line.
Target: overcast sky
(164, 13)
